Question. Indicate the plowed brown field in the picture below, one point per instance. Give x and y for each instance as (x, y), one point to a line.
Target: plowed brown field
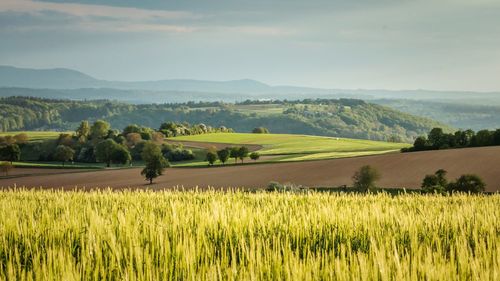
(398, 170)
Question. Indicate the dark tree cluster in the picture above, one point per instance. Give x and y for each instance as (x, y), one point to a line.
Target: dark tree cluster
(223, 155)
(439, 184)
(327, 117)
(438, 139)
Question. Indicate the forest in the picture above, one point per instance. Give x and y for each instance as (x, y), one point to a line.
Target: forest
(350, 118)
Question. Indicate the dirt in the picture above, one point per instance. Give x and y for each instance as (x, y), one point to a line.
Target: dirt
(398, 170)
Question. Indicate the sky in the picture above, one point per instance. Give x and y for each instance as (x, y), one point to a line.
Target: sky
(363, 44)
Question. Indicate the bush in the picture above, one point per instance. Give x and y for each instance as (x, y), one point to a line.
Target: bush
(436, 183)
(260, 130)
(286, 187)
(365, 178)
(254, 156)
(468, 183)
(177, 154)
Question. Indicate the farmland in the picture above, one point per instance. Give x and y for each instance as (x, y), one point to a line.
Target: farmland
(35, 135)
(296, 147)
(240, 236)
(402, 170)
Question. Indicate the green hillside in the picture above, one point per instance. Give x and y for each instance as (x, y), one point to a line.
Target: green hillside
(299, 147)
(339, 118)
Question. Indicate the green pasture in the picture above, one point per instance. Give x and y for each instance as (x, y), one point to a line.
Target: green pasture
(300, 147)
(35, 135)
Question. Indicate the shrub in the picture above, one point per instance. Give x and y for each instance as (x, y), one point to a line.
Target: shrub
(254, 156)
(260, 130)
(365, 178)
(468, 183)
(436, 183)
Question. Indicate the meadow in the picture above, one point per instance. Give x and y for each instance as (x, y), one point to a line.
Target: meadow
(177, 235)
(299, 147)
(35, 135)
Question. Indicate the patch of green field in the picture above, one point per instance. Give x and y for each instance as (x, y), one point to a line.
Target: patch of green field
(55, 165)
(36, 135)
(300, 147)
(330, 155)
(173, 235)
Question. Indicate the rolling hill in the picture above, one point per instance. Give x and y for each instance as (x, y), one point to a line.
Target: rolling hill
(78, 85)
(340, 118)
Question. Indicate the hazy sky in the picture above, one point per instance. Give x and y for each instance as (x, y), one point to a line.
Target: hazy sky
(402, 44)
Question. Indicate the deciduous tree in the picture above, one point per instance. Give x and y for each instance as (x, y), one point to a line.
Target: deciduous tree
(365, 178)
(63, 153)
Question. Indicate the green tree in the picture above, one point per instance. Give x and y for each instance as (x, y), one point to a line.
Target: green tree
(150, 150)
(420, 144)
(436, 183)
(121, 155)
(133, 128)
(83, 130)
(99, 130)
(243, 153)
(234, 152)
(254, 156)
(223, 155)
(364, 179)
(63, 153)
(468, 183)
(496, 137)
(104, 151)
(211, 157)
(437, 138)
(10, 153)
(483, 138)
(155, 165)
(260, 130)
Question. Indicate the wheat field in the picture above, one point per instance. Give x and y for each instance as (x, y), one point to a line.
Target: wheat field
(177, 235)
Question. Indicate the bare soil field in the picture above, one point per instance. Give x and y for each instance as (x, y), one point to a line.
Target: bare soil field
(398, 170)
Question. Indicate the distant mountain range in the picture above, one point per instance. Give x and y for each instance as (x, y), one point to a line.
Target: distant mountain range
(165, 90)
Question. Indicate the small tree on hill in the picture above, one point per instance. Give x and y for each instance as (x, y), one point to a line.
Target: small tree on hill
(83, 131)
(436, 183)
(260, 130)
(155, 165)
(104, 151)
(468, 183)
(211, 157)
(234, 152)
(63, 153)
(121, 155)
(365, 178)
(223, 155)
(10, 153)
(99, 130)
(150, 151)
(6, 167)
(242, 153)
(254, 156)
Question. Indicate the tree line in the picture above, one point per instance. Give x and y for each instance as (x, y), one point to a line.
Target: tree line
(98, 142)
(327, 117)
(438, 139)
(235, 152)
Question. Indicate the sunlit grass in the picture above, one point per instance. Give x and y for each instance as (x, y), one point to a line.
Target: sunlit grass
(242, 236)
(36, 135)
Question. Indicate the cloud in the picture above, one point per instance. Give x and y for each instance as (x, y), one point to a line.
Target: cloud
(97, 17)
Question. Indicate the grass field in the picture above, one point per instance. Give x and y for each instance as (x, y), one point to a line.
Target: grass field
(59, 165)
(46, 235)
(300, 147)
(36, 135)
